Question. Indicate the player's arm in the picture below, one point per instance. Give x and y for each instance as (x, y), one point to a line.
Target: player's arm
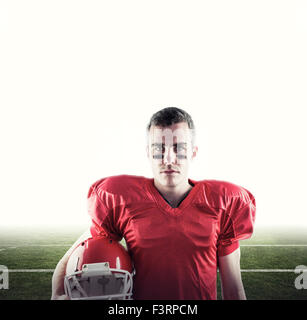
(230, 276)
(58, 292)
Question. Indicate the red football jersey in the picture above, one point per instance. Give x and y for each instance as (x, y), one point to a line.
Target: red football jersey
(174, 250)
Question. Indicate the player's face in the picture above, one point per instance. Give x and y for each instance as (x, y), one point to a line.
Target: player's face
(170, 153)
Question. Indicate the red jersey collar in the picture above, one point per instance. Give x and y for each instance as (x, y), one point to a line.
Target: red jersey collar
(164, 205)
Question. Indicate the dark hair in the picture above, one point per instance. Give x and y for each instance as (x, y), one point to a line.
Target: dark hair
(171, 115)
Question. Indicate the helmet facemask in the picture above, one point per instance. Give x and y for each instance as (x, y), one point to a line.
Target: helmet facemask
(97, 281)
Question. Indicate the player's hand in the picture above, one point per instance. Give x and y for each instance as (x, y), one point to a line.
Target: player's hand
(61, 297)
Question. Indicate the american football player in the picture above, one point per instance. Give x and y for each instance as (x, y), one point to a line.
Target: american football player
(179, 231)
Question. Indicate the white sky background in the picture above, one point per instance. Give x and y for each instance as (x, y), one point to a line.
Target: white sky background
(79, 81)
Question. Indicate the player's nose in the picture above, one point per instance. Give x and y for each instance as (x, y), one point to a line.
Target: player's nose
(170, 156)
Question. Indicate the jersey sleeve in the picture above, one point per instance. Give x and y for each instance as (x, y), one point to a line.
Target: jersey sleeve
(101, 212)
(237, 222)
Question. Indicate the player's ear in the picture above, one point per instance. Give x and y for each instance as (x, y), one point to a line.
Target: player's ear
(194, 152)
(147, 151)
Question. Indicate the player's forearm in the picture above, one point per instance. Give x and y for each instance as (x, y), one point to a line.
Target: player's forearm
(234, 292)
(58, 278)
(60, 270)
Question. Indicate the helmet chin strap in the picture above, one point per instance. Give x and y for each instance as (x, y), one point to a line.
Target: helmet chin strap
(118, 266)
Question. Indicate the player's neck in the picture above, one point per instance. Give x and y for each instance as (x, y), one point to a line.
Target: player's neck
(174, 194)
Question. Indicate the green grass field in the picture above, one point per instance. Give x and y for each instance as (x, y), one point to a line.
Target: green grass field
(267, 261)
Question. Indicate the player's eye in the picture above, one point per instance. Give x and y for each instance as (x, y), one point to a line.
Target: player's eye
(180, 149)
(158, 148)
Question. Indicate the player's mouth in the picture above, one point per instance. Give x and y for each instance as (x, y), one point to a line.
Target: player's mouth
(170, 171)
